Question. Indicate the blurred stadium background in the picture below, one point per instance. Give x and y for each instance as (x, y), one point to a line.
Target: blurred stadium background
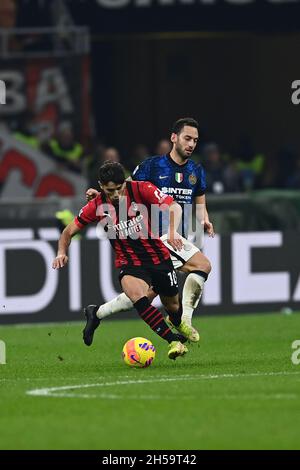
(91, 80)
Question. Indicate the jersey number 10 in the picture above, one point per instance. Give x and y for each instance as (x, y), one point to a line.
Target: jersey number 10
(173, 278)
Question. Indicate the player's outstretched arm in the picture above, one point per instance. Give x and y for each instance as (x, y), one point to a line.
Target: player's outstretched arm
(63, 244)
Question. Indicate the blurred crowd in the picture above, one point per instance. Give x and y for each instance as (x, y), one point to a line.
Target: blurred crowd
(15, 14)
(244, 170)
(240, 171)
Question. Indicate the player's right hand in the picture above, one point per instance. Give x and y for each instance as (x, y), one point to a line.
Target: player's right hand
(91, 193)
(60, 261)
(176, 242)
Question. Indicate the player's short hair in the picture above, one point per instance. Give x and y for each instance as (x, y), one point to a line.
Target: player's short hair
(111, 171)
(179, 125)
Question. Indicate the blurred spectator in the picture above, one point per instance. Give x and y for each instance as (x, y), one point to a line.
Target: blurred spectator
(112, 154)
(293, 181)
(285, 166)
(64, 149)
(221, 176)
(163, 147)
(12, 16)
(250, 165)
(94, 163)
(32, 131)
(44, 131)
(100, 155)
(63, 218)
(8, 20)
(139, 154)
(27, 131)
(8, 14)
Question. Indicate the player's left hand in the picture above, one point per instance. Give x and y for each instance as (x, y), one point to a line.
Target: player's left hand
(209, 228)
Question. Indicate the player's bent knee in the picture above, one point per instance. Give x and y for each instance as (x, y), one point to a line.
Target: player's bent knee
(173, 306)
(151, 295)
(135, 296)
(202, 264)
(207, 266)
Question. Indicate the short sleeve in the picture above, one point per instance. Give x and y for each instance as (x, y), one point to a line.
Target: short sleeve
(151, 194)
(142, 171)
(88, 214)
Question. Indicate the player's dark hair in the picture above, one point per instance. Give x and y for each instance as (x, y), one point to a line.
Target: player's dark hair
(111, 171)
(179, 125)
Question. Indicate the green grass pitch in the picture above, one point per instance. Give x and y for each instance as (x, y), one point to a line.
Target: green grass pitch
(237, 390)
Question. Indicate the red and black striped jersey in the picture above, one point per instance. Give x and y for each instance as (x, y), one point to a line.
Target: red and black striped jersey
(128, 225)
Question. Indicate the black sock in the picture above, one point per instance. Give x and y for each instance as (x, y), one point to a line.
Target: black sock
(200, 273)
(154, 319)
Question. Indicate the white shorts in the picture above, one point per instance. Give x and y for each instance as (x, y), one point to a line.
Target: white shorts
(179, 258)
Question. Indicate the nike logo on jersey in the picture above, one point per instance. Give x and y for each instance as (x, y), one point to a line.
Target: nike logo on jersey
(163, 177)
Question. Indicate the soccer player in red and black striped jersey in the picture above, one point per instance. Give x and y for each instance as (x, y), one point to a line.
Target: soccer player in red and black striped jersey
(178, 175)
(143, 260)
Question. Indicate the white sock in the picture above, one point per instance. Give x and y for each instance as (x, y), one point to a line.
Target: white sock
(118, 304)
(191, 295)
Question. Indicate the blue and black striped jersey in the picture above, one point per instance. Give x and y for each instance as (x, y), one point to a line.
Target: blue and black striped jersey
(182, 182)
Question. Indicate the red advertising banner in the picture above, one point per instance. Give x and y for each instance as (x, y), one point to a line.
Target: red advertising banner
(44, 93)
(27, 173)
(52, 90)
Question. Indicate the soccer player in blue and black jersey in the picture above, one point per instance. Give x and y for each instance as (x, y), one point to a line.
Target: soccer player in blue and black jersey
(180, 177)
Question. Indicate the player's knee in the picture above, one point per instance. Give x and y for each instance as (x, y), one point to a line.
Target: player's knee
(151, 295)
(135, 295)
(202, 264)
(173, 306)
(207, 266)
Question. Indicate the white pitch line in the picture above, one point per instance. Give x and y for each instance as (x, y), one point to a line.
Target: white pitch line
(106, 396)
(34, 379)
(60, 391)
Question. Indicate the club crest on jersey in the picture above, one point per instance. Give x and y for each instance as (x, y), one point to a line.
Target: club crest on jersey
(134, 206)
(179, 177)
(193, 179)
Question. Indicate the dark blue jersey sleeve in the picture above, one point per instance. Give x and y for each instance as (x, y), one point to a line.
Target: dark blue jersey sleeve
(201, 183)
(143, 171)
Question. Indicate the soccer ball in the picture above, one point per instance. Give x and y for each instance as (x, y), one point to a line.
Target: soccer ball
(138, 352)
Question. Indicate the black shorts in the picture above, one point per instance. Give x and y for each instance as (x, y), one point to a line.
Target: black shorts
(162, 277)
